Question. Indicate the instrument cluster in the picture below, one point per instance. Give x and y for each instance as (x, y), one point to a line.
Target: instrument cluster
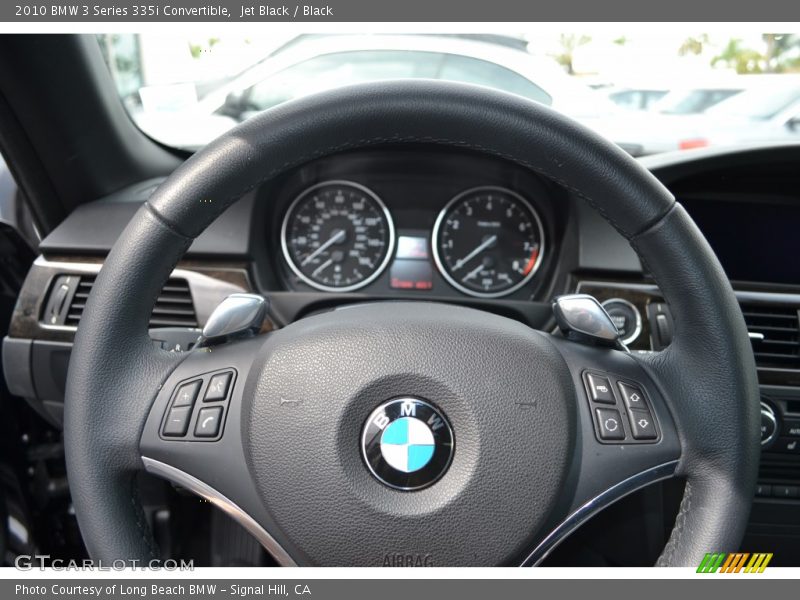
(395, 230)
(339, 236)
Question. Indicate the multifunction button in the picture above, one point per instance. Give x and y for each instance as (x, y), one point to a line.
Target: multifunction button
(218, 387)
(642, 425)
(610, 424)
(621, 411)
(187, 393)
(208, 422)
(177, 422)
(188, 419)
(632, 395)
(600, 389)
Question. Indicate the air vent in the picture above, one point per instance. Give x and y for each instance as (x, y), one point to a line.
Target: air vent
(174, 307)
(775, 334)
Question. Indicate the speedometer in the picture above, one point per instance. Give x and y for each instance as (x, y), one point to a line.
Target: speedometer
(488, 242)
(337, 236)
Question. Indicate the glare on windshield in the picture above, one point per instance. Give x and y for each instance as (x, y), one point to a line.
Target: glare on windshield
(648, 93)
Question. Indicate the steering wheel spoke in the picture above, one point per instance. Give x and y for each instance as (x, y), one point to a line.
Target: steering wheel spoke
(626, 437)
(192, 436)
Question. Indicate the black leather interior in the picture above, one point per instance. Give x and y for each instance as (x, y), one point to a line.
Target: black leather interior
(708, 375)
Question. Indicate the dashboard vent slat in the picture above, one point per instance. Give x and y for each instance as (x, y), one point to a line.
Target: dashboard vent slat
(776, 329)
(174, 306)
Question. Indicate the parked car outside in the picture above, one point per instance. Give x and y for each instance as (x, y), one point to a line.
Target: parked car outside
(767, 111)
(318, 63)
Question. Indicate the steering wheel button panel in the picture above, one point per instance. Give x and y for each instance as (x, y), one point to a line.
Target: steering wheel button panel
(629, 405)
(187, 393)
(186, 419)
(218, 387)
(600, 389)
(610, 424)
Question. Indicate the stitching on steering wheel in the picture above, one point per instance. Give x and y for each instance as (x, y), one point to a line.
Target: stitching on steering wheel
(677, 531)
(139, 517)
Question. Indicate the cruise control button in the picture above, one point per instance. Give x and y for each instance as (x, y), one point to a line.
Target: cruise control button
(600, 389)
(208, 422)
(187, 393)
(632, 395)
(610, 424)
(218, 387)
(642, 425)
(177, 421)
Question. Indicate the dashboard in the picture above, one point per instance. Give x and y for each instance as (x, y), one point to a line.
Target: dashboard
(422, 223)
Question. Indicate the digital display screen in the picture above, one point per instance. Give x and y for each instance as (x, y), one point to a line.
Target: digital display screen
(757, 242)
(411, 275)
(412, 247)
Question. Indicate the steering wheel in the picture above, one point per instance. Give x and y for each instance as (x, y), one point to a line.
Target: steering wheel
(516, 443)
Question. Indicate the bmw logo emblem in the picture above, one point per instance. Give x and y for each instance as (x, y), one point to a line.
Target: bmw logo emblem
(407, 443)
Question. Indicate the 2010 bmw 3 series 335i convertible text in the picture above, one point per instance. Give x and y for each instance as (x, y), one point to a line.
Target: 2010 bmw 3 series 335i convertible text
(401, 300)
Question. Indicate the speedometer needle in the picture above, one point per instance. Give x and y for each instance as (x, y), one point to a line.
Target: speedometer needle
(332, 240)
(486, 243)
(322, 267)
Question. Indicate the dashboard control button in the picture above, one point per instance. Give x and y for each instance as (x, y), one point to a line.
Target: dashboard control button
(763, 490)
(600, 389)
(632, 395)
(177, 423)
(218, 387)
(787, 446)
(791, 428)
(642, 425)
(187, 393)
(610, 424)
(661, 324)
(208, 422)
(785, 491)
(626, 318)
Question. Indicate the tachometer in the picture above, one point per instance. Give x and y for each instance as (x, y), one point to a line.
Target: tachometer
(488, 242)
(337, 236)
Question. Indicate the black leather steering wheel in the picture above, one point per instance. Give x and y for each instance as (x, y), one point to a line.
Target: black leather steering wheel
(528, 464)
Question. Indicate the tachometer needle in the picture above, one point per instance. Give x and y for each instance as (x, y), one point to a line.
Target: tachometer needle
(486, 243)
(474, 272)
(322, 267)
(332, 240)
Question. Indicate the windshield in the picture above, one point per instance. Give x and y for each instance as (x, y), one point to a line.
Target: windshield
(693, 101)
(759, 103)
(637, 90)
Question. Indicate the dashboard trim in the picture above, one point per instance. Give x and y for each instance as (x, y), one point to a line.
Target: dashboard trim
(208, 286)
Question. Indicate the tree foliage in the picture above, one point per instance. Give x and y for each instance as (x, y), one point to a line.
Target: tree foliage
(569, 42)
(780, 54)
